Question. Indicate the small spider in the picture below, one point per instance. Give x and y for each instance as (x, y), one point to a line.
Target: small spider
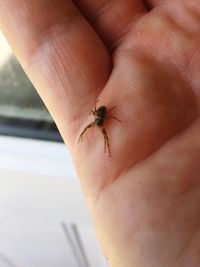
(101, 114)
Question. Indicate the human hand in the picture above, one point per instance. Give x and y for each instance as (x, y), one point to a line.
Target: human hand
(145, 199)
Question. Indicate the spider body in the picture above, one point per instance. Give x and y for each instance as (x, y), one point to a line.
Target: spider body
(100, 116)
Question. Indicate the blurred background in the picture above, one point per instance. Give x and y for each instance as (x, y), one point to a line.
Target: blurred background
(44, 221)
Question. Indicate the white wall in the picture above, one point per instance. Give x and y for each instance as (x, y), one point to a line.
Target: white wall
(38, 191)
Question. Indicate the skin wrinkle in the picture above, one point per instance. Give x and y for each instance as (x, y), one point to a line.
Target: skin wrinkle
(190, 239)
(186, 55)
(109, 12)
(191, 257)
(123, 33)
(187, 243)
(108, 193)
(189, 25)
(122, 172)
(74, 118)
(193, 18)
(155, 3)
(152, 152)
(58, 28)
(181, 25)
(103, 8)
(158, 25)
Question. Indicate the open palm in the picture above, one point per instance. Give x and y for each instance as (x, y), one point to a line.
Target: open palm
(143, 58)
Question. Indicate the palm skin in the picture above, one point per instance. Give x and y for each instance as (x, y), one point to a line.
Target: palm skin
(145, 199)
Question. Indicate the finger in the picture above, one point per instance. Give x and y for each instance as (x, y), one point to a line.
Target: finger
(111, 19)
(61, 53)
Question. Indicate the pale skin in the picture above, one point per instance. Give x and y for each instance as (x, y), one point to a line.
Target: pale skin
(145, 58)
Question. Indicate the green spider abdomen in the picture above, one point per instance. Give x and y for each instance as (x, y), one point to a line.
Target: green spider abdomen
(101, 112)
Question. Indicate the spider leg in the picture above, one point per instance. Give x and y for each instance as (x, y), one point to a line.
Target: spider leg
(94, 108)
(87, 127)
(111, 109)
(106, 141)
(95, 105)
(113, 117)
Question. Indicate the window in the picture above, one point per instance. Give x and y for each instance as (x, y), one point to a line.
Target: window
(22, 112)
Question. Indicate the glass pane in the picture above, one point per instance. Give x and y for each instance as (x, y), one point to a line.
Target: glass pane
(22, 112)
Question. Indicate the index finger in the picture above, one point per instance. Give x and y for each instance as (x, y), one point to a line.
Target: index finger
(63, 56)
